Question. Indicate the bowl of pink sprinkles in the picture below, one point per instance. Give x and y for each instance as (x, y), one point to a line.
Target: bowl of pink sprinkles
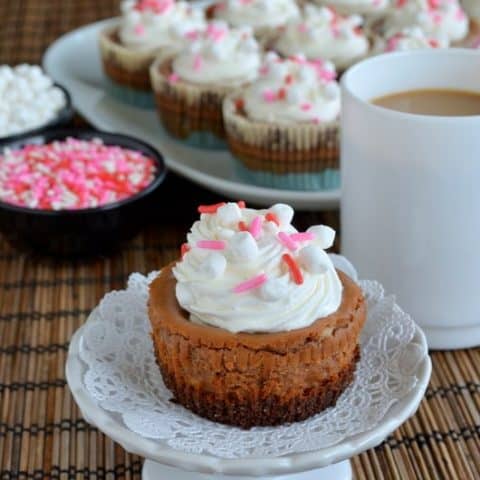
(71, 192)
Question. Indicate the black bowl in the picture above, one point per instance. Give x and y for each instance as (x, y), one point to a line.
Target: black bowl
(62, 119)
(85, 231)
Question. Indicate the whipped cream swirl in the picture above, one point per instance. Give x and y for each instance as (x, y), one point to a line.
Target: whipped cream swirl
(437, 18)
(219, 55)
(323, 33)
(147, 25)
(259, 14)
(249, 270)
(292, 91)
(364, 7)
(413, 38)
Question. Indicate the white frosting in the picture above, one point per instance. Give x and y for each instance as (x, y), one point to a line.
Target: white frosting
(206, 279)
(293, 91)
(472, 7)
(151, 24)
(367, 7)
(219, 56)
(322, 33)
(28, 99)
(259, 14)
(413, 38)
(437, 18)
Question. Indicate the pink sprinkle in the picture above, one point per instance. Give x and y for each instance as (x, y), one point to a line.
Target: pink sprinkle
(156, 6)
(377, 3)
(173, 78)
(460, 15)
(192, 35)
(326, 75)
(392, 43)
(269, 96)
(197, 63)
(263, 70)
(139, 30)
(302, 236)
(215, 32)
(316, 121)
(287, 241)
(302, 28)
(306, 107)
(251, 284)
(256, 227)
(211, 244)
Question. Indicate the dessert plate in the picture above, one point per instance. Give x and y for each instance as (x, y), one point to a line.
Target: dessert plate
(115, 382)
(74, 61)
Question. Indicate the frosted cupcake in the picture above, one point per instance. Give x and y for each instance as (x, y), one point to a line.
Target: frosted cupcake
(283, 129)
(145, 28)
(254, 326)
(439, 18)
(264, 16)
(373, 8)
(323, 33)
(413, 38)
(190, 86)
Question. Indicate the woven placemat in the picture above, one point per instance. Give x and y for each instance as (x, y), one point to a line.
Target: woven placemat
(43, 301)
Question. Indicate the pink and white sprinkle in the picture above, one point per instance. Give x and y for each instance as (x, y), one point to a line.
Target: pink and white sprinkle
(72, 174)
(211, 244)
(287, 241)
(251, 284)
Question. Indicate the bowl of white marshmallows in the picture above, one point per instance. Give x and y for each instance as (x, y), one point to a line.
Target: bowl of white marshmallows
(30, 102)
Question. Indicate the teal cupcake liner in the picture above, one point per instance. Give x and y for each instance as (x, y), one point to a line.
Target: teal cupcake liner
(130, 96)
(328, 179)
(204, 140)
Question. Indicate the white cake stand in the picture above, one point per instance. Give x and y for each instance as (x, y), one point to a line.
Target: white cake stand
(166, 463)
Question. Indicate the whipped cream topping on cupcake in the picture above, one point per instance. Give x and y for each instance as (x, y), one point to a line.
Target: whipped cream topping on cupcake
(219, 55)
(440, 18)
(413, 38)
(152, 24)
(259, 14)
(247, 270)
(292, 91)
(323, 33)
(357, 6)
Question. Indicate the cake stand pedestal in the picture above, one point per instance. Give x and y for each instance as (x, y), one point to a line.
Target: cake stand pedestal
(166, 463)
(157, 471)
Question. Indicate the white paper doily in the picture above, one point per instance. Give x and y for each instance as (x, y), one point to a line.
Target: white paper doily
(123, 377)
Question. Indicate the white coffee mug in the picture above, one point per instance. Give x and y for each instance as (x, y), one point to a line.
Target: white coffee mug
(411, 191)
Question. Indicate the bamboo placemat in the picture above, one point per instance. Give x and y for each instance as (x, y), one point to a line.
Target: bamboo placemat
(43, 301)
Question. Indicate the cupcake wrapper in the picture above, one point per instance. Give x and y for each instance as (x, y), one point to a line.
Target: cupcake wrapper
(130, 96)
(299, 156)
(125, 66)
(327, 180)
(192, 113)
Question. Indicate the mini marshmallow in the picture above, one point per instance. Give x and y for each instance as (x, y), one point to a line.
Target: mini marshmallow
(229, 213)
(324, 235)
(225, 233)
(283, 212)
(28, 98)
(213, 265)
(184, 294)
(242, 247)
(274, 289)
(314, 259)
